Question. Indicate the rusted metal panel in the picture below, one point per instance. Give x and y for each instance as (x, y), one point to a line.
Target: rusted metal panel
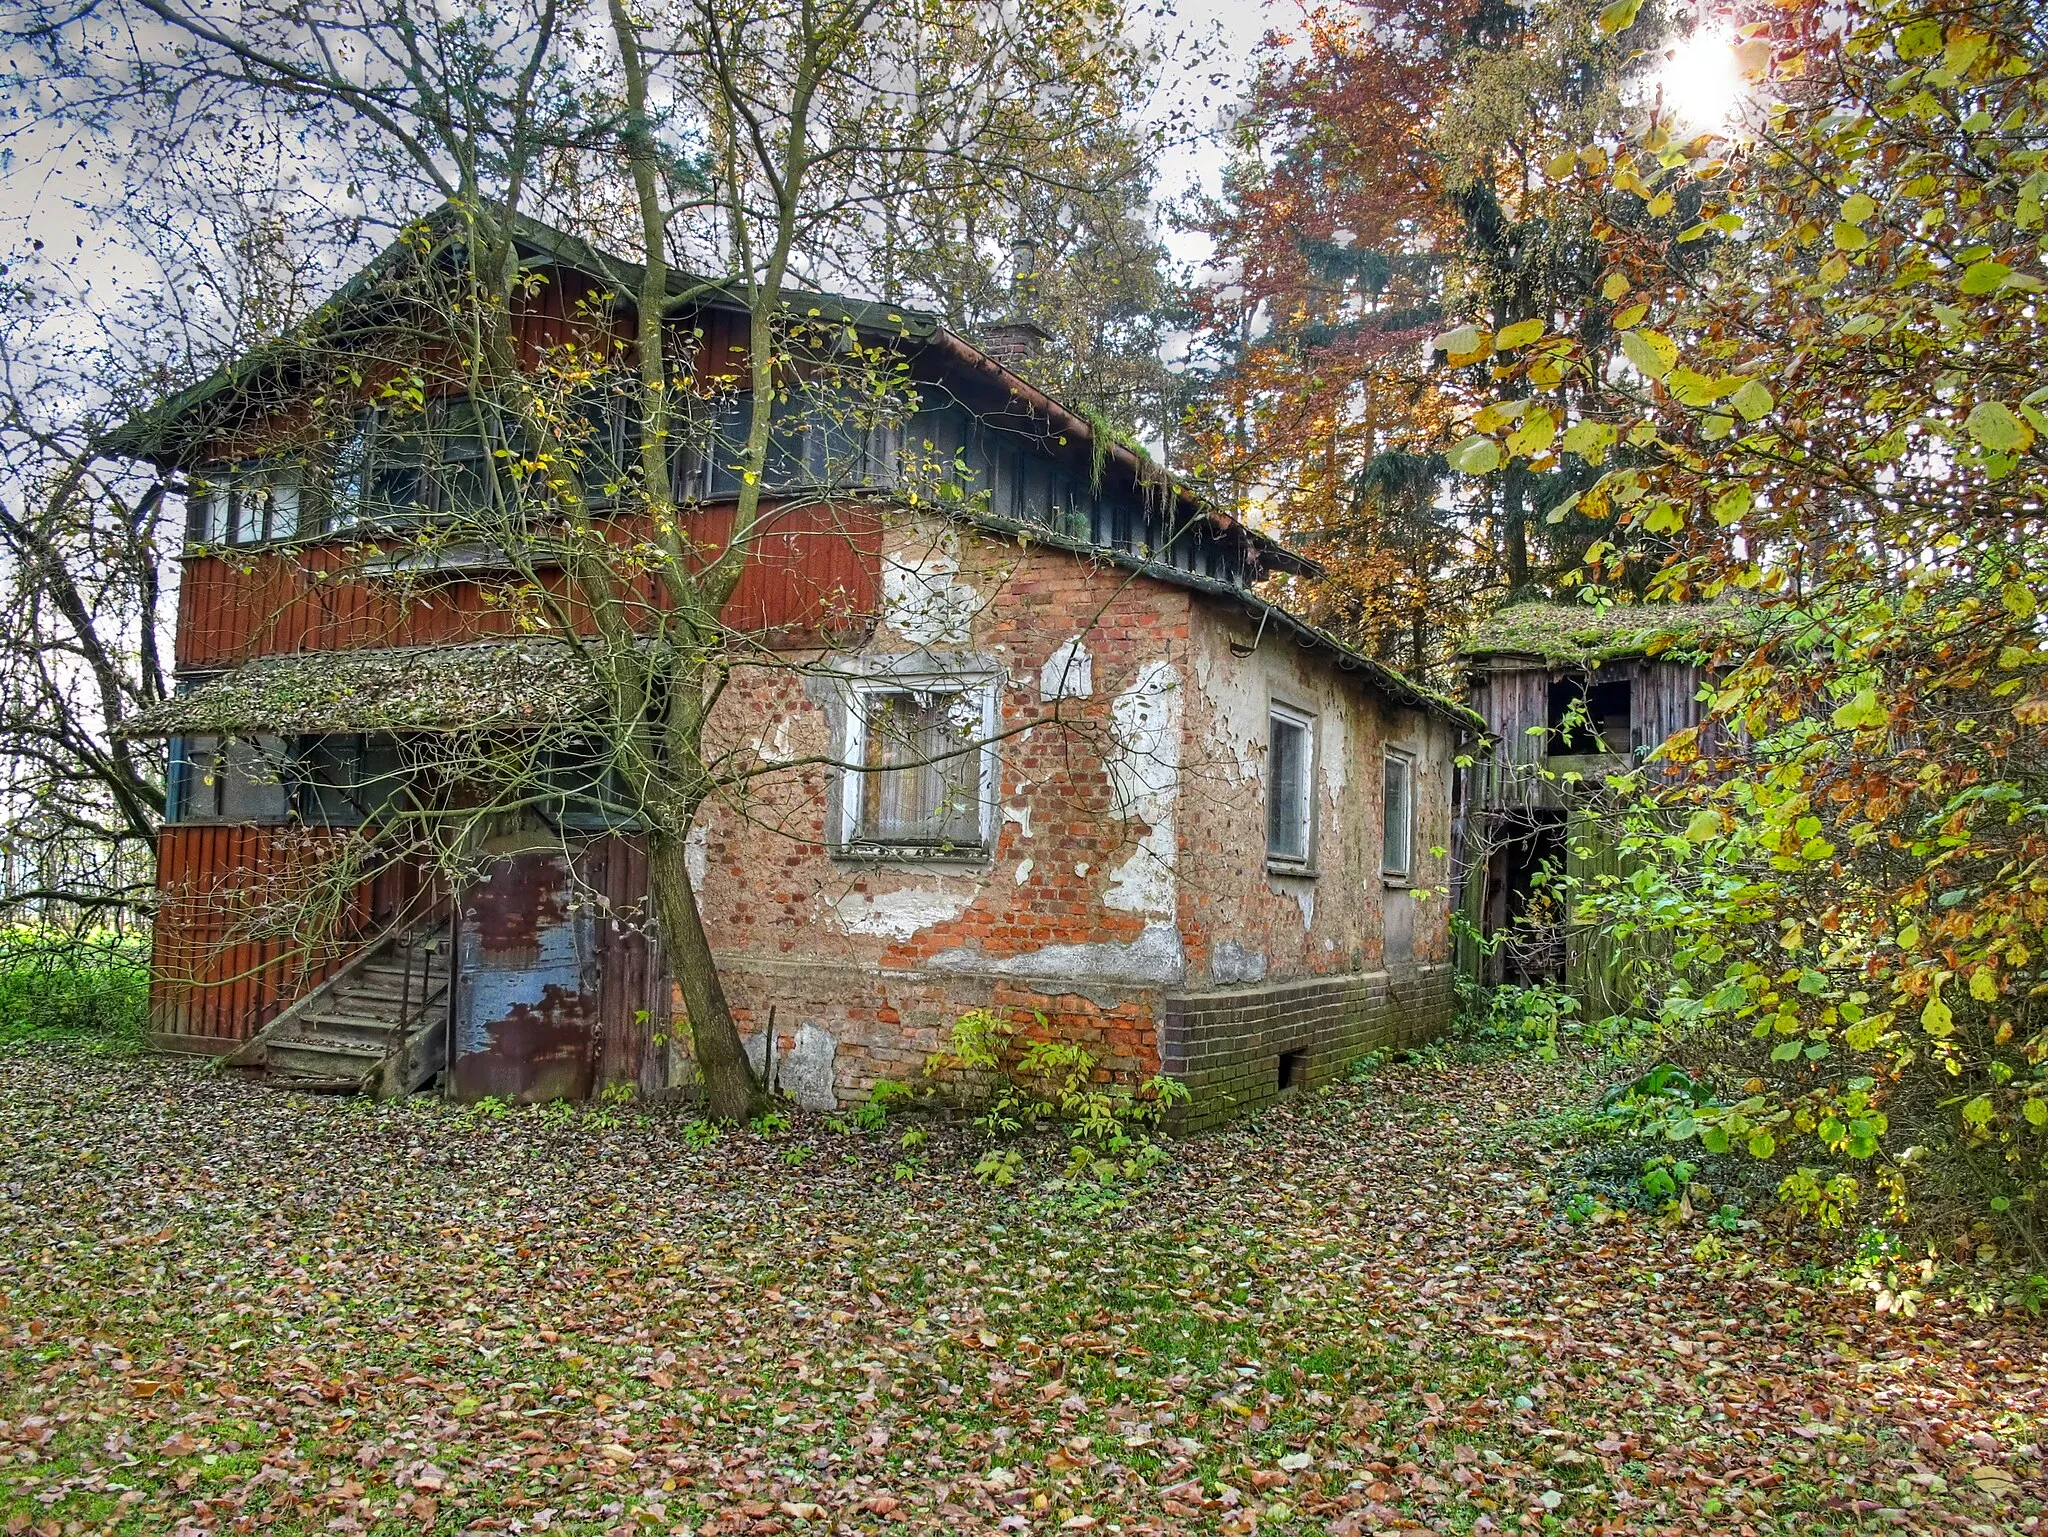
(526, 1006)
(633, 987)
(561, 991)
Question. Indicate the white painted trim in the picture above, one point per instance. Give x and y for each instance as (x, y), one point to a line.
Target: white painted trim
(1303, 863)
(857, 691)
(1407, 760)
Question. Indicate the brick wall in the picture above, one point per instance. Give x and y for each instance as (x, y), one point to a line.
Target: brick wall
(1108, 889)
(1233, 1047)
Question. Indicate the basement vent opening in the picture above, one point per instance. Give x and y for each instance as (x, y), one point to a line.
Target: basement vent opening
(1293, 1069)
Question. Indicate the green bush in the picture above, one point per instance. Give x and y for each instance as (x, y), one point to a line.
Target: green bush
(57, 985)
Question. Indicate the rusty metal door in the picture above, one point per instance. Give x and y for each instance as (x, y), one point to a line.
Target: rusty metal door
(526, 1007)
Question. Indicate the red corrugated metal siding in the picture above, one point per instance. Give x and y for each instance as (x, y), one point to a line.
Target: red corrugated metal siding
(814, 568)
(212, 982)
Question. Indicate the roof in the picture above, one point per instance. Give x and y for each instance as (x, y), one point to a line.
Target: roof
(1582, 635)
(162, 434)
(495, 685)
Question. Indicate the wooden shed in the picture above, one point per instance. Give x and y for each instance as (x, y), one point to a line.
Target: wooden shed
(1571, 696)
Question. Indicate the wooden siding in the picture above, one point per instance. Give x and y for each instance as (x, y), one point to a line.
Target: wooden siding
(213, 981)
(814, 567)
(1516, 708)
(1514, 700)
(1662, 701)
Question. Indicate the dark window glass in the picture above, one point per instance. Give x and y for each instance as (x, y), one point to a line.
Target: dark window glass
(1289, 764)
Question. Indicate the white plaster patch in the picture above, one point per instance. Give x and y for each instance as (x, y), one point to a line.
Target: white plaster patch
(1333, 753)
(1024, 872)
(901, 913)
(1304, 894)
(1069, 673)
(804, 1070)
(697, 856)
(1153, 959)
(1144, 776)
(1081, 869)
(1234, 962)
(1021, 815)
(924, 601)
(1236, 693)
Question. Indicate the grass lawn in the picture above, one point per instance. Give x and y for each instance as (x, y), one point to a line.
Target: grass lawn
(229, 1310)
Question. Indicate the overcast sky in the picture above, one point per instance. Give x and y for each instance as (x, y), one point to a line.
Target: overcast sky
(41, 185)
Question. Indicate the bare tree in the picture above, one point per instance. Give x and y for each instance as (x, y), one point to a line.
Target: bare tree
(776, 146)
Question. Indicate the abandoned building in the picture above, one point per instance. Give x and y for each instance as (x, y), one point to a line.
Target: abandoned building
(1571, 695)
(1180, 826)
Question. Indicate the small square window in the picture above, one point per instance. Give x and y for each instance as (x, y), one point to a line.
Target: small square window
(1397, 814)
(924, 754)
(1290, 786)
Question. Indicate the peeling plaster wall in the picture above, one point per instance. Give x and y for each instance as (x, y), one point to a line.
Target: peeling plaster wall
(1072, 912)
(1128, 862)
(1243, 923)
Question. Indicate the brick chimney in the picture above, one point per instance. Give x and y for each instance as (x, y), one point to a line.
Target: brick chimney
(1011, 342)
(1018, 339)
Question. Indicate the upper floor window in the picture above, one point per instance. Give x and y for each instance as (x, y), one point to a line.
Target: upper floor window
(249, 502)
(398, 467)
(1397, 818)
(926, 776)
(1290, 785)
(820, 438)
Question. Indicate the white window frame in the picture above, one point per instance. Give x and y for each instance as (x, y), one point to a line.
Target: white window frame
(858, 692)
(250, 503)
(1406, 760)
(1304, 862)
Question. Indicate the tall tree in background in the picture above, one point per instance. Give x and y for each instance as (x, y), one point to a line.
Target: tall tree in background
(1393, 164)
(1543, 95)
(1331, 238)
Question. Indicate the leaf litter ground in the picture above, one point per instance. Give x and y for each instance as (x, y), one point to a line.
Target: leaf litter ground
(227, 1309)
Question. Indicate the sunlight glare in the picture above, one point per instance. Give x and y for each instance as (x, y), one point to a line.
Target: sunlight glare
(1701, 84)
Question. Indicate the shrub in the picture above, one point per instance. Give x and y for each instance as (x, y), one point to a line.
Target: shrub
(57, 985)
(1022, 1085)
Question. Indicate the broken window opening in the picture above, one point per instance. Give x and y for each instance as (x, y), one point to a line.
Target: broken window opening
(1589, 716)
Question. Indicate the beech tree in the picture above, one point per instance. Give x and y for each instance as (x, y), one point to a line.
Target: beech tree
(1837, 412)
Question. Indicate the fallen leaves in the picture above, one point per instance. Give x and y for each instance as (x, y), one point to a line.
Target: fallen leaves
(1348, 1316)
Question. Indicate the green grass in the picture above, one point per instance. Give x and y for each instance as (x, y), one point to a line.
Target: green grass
(90, 989)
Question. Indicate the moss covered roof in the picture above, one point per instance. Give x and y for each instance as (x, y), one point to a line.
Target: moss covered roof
(492, 686)
(1578, 634)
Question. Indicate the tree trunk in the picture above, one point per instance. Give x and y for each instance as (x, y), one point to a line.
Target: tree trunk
(1515, 532)
(731, 1091)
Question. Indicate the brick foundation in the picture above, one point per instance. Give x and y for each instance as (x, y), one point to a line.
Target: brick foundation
(1228, 1046)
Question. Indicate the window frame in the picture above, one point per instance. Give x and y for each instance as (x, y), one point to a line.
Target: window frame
(851, 843)
(1279, 711)
(214, 780)
(238, 504)
(1404, 876)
